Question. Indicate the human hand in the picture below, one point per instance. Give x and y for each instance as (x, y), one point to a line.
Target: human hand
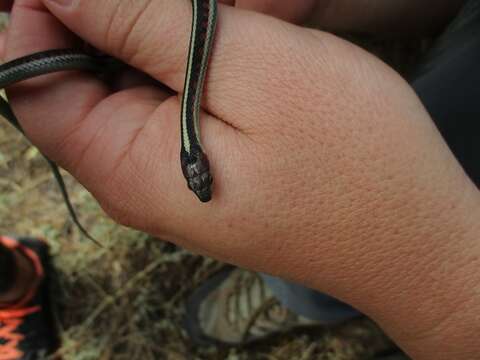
(327, 169)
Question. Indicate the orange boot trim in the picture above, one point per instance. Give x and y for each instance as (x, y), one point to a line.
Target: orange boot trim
(11, 316)
(11, 320)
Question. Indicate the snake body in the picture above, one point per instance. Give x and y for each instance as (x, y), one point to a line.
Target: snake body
(194, 162)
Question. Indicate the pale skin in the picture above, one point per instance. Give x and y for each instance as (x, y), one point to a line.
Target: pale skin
(328, 170)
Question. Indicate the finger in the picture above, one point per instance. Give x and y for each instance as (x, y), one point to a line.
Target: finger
(41, 104)
(129, 29)
(32, 29)
(153, 36)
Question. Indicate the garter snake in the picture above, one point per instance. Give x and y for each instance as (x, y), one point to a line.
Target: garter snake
(194, 162)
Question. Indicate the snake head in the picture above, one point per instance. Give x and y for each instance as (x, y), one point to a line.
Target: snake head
(196, 169)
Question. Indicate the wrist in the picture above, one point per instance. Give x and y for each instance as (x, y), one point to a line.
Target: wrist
(432, 305)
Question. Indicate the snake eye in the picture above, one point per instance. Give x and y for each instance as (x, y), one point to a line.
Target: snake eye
(196, 169)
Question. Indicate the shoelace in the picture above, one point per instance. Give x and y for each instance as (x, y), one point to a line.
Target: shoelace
(10, 320)
(256, 307)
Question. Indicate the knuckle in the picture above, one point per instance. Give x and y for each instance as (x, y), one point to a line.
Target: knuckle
(140, 32)
(126, 27)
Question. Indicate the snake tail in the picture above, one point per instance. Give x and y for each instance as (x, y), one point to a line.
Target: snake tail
(66, 198)
(40, 64)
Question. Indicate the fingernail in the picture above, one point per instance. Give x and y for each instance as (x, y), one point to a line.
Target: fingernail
(63, 3)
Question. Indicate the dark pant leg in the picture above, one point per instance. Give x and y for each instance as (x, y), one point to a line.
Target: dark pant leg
(309, 303)
(448, 84)
(7, 269)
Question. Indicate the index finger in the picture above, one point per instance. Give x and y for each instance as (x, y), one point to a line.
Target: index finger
(153, 36)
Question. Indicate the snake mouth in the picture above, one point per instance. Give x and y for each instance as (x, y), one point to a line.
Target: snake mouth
(204, 195)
